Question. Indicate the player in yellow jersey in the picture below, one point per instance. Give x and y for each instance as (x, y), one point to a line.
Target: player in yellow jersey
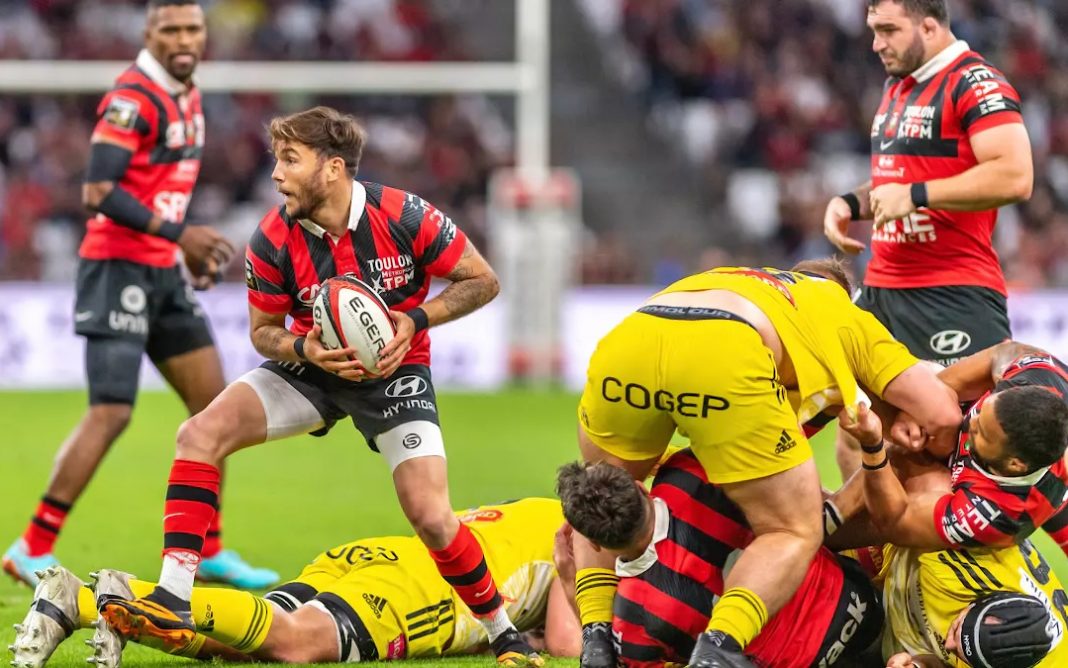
(742, 360)
(373, 599)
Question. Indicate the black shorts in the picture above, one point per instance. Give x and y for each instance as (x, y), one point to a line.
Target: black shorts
(941, 324)
(375, 406)
(153, 306)
(858, 618)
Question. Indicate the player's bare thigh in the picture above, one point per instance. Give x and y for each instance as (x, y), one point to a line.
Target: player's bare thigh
(593, 453)
(234, 420)
(306, 635)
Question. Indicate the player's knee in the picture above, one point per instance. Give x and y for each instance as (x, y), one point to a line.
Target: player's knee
(112, 418)
(434, 526)
(201, 438)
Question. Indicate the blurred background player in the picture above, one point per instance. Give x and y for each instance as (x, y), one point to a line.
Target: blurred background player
(948, 147)
(132, 298)
(332, 224)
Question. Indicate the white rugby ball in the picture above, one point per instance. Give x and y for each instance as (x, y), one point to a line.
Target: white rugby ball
(352, 315)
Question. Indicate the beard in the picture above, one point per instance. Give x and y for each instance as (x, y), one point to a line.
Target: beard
(308, 201)
(908, 61)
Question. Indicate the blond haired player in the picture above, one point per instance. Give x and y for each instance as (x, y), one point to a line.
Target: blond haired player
(373, 599)
(742, 360)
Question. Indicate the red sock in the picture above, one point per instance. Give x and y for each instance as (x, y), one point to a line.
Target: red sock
(463, 565)
(45, 525)
(213, 539)
(192, 499)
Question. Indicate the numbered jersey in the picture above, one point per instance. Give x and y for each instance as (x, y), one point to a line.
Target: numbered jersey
(401, 607)
(160, 121)
(923, 592)
(922, 132)
(991, 510)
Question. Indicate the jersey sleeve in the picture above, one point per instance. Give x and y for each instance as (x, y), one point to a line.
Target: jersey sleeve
(1057, 528)
(966, 518)
(438, 243)
(127, 118)
(1036, 370)
(876, 356)
(263, 276)
(983, 98)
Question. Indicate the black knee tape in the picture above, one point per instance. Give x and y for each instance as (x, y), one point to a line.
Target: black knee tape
(113, 367)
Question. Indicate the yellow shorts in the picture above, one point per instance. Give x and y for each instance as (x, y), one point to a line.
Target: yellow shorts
(711, 378)
(395, 591)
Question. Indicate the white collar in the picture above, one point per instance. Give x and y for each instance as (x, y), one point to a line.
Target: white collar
(940, 61)
(359, 202)
(151, 67)
(1028, 480)
(661, 521)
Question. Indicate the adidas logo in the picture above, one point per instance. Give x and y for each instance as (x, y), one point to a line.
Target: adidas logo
(376, 603)
(209, 621)
(785, 443)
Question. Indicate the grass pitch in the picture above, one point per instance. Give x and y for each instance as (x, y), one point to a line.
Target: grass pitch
(283, 502)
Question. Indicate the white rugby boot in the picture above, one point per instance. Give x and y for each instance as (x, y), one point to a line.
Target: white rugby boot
(107, 643)
(53, 616)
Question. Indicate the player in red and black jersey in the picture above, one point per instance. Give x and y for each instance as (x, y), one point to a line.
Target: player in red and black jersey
(948, 147)
(332, 224)
(674, 546)
(132, 298)
(1008, 474)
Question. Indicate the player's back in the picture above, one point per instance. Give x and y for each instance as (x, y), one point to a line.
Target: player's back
(831, 343)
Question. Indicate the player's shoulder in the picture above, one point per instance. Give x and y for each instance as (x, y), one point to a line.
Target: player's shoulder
(273, 229)
(393, 202)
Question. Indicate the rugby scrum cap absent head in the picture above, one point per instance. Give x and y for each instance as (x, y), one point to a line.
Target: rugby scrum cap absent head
(1006, 630)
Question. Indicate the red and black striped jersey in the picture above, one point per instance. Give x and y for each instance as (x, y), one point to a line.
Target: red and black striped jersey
(666, 596)
(996, 511)
(160, 120)
(922, 132)
(395, 242)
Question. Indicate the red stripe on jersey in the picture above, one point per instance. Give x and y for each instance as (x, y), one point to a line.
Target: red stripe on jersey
(687, 509)
(385, 246)
(344, 255)
(275, 229)
(635, 634)
(264, 269)
(671, 554)
(449, 257)
(663, 605)
(270, 303)
(1016, 369)
(300, 256)
(392, 202)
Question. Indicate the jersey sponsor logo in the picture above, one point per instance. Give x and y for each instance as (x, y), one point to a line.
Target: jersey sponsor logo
(886, 167)
(986, 87)
(376, 603)
(411, 441)
(786, 442)
(175, 135)
(687, 404)
(307, 294)
(918, 122)
(856, 611)
(950, 342)
(122, 113)
(409, 405)
(133, 299)
(393, 271)
(406, 386)
(913, 228)
(965, 522)
(483, 515)
(171, 205)
(398, 648)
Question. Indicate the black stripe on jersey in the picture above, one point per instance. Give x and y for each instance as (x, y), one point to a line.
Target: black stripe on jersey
(704, 546)
(966, 566)
(646, 653)
(990, 577)
(161, 154)
(656, 628)
(411, 218)
(960, 575)
(1057, 521)
(1052, 488)
(444, 603)
(679, 586)
(704, 493)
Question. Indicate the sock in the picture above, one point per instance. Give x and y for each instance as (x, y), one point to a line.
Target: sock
(44, 527)
(595, 589)
(235, 618)
(740, 614)
(192, 500)
(86, 607)
(463, 565)
(213, 539)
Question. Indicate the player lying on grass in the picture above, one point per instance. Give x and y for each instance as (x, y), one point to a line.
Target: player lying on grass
(373, 599)
(672, 549)
(981, 607)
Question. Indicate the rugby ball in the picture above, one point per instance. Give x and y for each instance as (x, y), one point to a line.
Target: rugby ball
(352, 315)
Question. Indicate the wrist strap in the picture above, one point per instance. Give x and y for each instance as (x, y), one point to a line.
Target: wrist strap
(872, 449)
(170, 230)
(419, 317)
(298, 347)
(876, 467)
(919, 194)
(854, 205)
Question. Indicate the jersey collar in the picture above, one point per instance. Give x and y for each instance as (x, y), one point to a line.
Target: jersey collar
(661, 520)
(151, 67)
(359, 202)
(940, 61)
(1028, 480)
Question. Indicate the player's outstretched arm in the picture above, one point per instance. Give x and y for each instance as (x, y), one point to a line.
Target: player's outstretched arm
(978, 373)
(840, 211)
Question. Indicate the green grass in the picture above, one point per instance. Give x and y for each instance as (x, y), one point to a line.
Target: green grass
(283, 502)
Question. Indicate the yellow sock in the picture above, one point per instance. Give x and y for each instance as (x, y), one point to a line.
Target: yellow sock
(595, 589)
(86, 607)
(740, 614)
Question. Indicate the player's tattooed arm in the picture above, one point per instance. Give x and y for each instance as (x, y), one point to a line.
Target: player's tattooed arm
(270, 336)
(978, 373)
(474, 284)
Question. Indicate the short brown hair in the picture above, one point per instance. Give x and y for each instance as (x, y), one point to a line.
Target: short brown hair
(327, 131)
(920, 9)
(601, 502)
(830, 268)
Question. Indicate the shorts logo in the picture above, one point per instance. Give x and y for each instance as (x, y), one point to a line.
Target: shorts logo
(786, 442)
(406, 386)
(950, 342)
(133, 299)
(411, 441)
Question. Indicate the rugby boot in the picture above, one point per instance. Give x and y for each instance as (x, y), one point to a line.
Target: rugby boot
(229, 568)
(597, 649)
(160, 620)
(20, 565)
(53, 616)
(514, 652)
(715, 649)
(107, 643)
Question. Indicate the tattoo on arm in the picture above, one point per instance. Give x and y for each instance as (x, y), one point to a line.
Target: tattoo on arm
(473, 285)
(1006, 353)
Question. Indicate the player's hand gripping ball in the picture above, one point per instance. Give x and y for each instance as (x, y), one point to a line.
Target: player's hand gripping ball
(352, 315)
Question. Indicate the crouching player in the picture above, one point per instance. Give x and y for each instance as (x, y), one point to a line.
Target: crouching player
(675, 546)
(369, 600)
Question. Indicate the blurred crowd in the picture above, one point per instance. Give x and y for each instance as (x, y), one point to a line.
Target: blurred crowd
(772, 101)
(443, 148)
